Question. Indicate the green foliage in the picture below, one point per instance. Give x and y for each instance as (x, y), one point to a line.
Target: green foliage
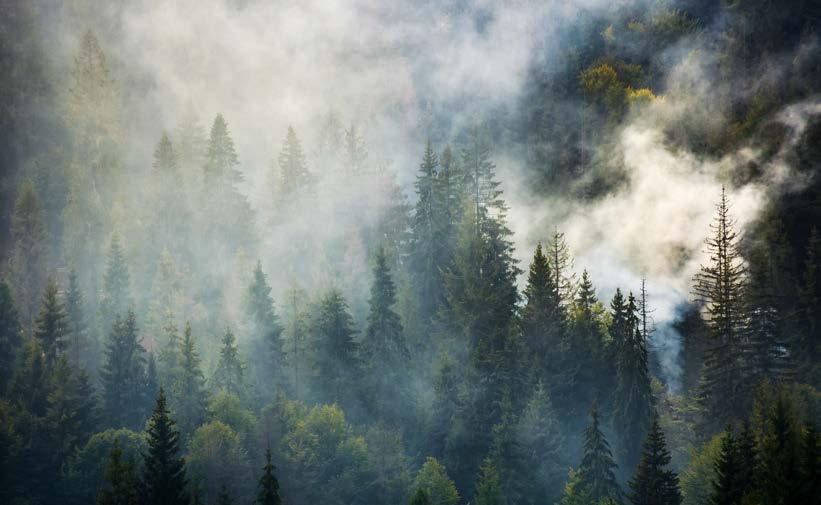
(697, 478)
(267, 354)
(489, 488)
(229, 372)
(596, 475)
(268, 486)
(215, 455)
(87, 467)
(433, 479)
(29, 259)
(189, 397)
(10, 338)
(163, 480)
(653, 483)
(336, 360)
(52, 328)
(123, 375)
(122, 480)
(116, 296)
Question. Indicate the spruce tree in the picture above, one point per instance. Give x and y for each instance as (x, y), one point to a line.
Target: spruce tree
(543, 318)
(10, 338)
(719, 287)
(79, 340)
(268, 486)
(163, 479)
(228, 375)
(189, 396)
(52, 326)
(116, 297)
(577, 382)
(725, 489)
(221, 156)
(165, 159)
(633, 409)
(427, 236)
(336, 362)
(30, 384)
(540, 435)
(151, 383)
(293, 171)
(597, 469)
(384, 345)
(169, 358)
(122, 480)
(268, 355)
(489, 487)
(29, 258)
(653, 483)
(123, 374)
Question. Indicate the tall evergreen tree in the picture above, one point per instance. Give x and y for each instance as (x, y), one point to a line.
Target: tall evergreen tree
(163, 479)
(169, 357)
(577, 382)
(10, 338)
(336, 362)
(151, 383)
(543, 317)
(597, 470)
(293, 171)
(420, 497)
(123, 374)
(540, 435)
(653, 483)
(268, 486)
(116, 295)
(725, 489)
(221, 156)
(428, 227)
(30, 382)
(633, 409)
(189, 397)
(384, 345)
(52, 326)
(719, 286)
(229, 372)
(489, 487)
(165, 159)
(268, 355)
(29, 258)
(78, 329)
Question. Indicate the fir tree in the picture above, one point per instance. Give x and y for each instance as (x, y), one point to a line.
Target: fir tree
(725, 489)
(541, 438)
(633, 409)
(29, 258)
(653, 483)
(122, 480)
(576, 383)
(293, 171)
(76, 320)
(10, 338)
(427, 239)
(384, 344)
(165, 159)
(228, 375)
(163, 480)
(123, 374)
(169, 358)
(268, 486)
(543, 317)
(597, 470)
(336, 362)
(268, 358)
(221, 156)
(189, 399)
(489, 487)
(116, 297)
(719, 287)
(52, 328)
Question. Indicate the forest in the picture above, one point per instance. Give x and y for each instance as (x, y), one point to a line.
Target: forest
(445, 252)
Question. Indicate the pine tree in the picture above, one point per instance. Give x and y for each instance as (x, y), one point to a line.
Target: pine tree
(116, 297)
(170, 352)
(384, 345)
(163, 480)
(727, 468)
(633, 409)
(10, 338)
(543, 318)
(597, 470)
(577, 381)
(540, 435)
(52, 326)
(293, 171)
(221, 156)
(78, 330)
(228, 375)
(489, 487)
(268, 487)
(719, 287)
(268, 358)
(165, 159)
(189, 397)
(336, 364)
(561, 266)
(652, 483)
(122, 480)
(355, 152)
(123, 374)
(427, 236)
(29, 258)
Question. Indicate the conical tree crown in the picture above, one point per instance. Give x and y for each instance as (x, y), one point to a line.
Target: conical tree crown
(653, 484)
(268, 487)
(597, 469)
(163, 480)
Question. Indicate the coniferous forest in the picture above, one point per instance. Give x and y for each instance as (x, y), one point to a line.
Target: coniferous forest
(441, 252)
